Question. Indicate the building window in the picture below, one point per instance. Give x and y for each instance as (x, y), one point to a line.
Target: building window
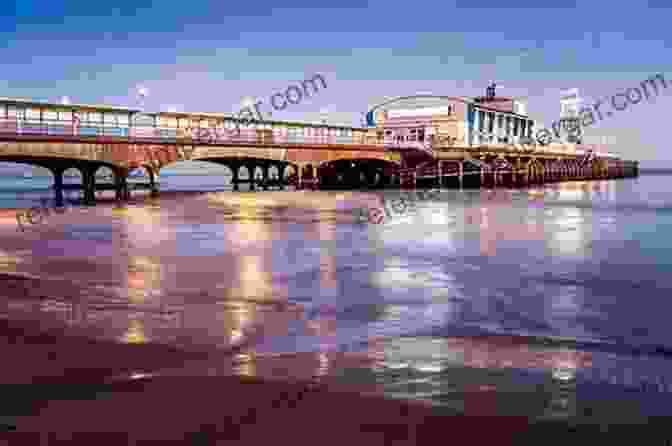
(110, 119)
(168, 122)
(15, 112)
(50, 115)
(122, 120)
(33, 114)
(94, 117)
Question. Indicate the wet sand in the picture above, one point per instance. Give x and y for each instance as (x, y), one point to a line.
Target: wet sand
(131, 322)
(67, 388)
(77, 403)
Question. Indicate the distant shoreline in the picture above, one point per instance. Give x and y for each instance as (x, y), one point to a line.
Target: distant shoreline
(655, 170)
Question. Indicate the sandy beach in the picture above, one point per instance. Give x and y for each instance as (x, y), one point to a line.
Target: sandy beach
(240, 318)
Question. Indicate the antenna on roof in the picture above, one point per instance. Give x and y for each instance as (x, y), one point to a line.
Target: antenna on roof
(142, 94)
(324, 115)
(492, 90)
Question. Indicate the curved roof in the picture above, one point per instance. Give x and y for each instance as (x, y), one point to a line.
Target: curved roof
(415, 101)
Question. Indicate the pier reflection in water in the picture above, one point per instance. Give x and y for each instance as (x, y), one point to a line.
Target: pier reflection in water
(384, 307)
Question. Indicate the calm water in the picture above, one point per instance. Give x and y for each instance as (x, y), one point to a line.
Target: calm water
(551, 302)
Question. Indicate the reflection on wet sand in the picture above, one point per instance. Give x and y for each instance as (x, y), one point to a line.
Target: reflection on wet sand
(445, 372)
(135, 333)
(215, 273)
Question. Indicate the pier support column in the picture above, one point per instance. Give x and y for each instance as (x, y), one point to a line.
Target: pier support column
(460, 174)
(127, 189)
(264, 176)
(154, 190)
(281, 175)
(439, 173)
(121, 182)
(235, 168)
(89, 183)
(117, 184)
(58, 185)
(122, 191)
(251, 171)
(299, 176)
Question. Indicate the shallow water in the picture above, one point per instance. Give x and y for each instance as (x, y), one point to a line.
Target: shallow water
(550, 302)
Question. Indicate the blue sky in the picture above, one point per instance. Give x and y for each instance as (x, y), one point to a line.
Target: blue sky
(205, 55)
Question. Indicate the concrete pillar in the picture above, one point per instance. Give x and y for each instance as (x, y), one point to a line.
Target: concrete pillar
(89, 184)
(482, 160)
(299, 182)
(127, 189)
(251, 171)
(118, 185)
(152, 183)
(264, 177)
(460, 174)
(439, 169)
(281, 175)
(235, 168)
(58, 186)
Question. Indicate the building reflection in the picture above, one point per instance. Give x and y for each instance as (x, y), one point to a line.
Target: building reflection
(439, 368)
(245, 365)
(572, 225)
(135, 334)
(71, 313)
(396, 274)
(9, 262)
(143, 279)
(326, 233)
(492, 217)
(242, 317)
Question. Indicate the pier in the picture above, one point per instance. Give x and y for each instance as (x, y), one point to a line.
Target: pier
(453, 150)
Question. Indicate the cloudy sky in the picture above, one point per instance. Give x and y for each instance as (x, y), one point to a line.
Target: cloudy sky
(202, 55)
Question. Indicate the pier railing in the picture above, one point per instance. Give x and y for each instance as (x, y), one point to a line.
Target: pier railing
(73, 130)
